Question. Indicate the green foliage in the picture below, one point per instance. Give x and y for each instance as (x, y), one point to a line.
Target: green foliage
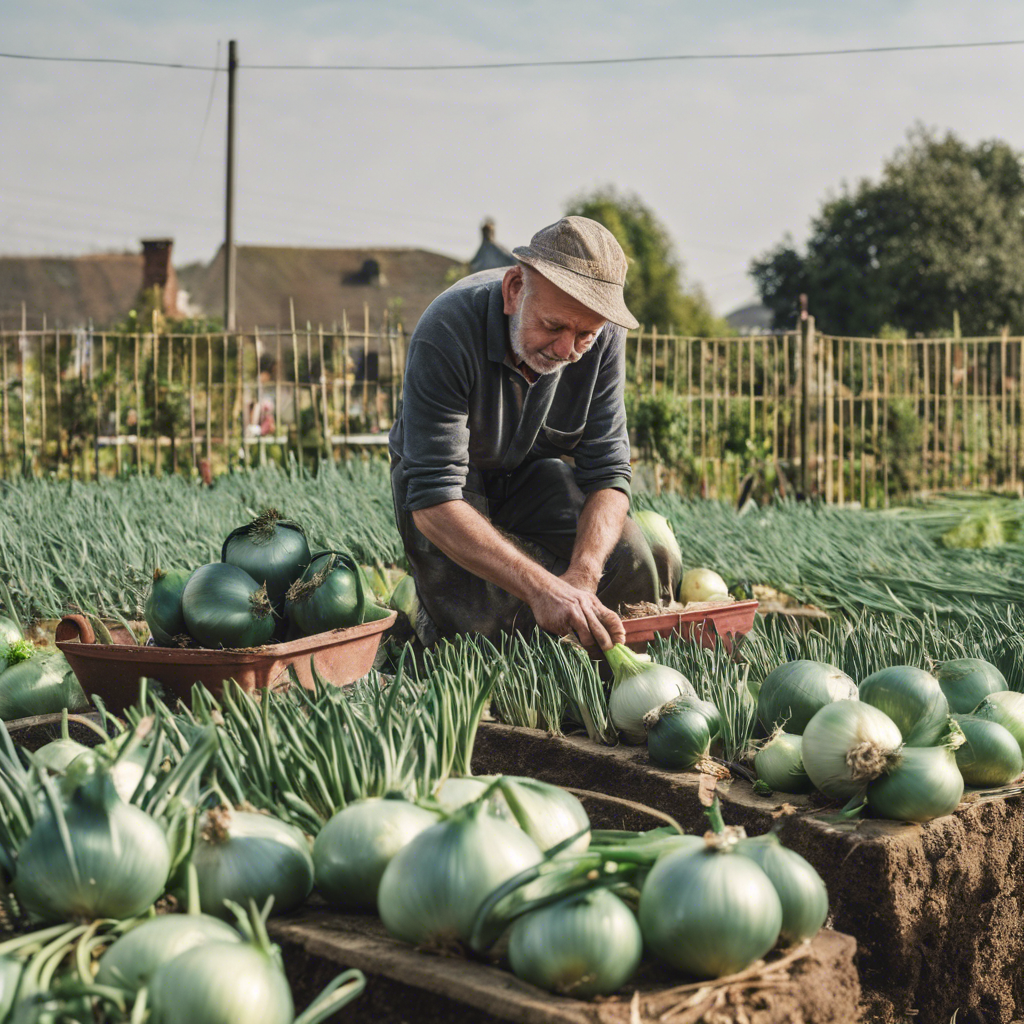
(658, 423)
(978, 531)
(939, 236)
(655, 292)
(901, 446)
(15, 652)
(141, 319)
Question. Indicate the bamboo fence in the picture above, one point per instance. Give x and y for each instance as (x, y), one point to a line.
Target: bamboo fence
(92, 403)
(847, 419)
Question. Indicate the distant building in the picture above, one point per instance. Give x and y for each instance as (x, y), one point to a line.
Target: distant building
(79, 291)
(750, 319)
(322, 283)
(490, 254)
(76, 291)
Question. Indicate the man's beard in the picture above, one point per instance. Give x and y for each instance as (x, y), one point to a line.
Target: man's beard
(535, 362)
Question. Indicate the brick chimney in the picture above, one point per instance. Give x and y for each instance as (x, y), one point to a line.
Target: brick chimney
(158, 272)
(487, 230)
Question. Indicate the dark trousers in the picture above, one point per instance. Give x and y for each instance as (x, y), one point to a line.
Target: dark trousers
(538, 507)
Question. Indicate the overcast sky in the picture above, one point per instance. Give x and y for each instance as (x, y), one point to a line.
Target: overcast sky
(729, 154)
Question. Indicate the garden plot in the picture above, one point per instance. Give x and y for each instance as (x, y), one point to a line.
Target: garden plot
(814, 984)
(935, 908)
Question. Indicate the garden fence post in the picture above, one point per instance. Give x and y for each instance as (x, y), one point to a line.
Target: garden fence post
(806, 347)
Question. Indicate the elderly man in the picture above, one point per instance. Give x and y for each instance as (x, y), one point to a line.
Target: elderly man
(510, 458)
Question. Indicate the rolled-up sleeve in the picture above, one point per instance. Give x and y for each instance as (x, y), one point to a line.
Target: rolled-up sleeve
(602, 455)
(435, 412)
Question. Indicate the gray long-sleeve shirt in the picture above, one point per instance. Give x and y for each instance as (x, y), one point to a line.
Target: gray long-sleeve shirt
(465, 405)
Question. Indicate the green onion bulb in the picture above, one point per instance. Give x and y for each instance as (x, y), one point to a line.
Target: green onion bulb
(10, 981)
(240, 855)
(56, 755)
(95, 857)
(42, 685)
(701, 585)
(433, 887)
(457, 791)
(989, 756)
(1007, 708)
(164, 616)
(677, 736)
(793, 693)
(846, 745)
(225, 607)
(665, 548)
(912, 698)
(404, 599)
(272, 550)
(356, 845)
(800, 888)
(547, 814)
(709, 912)
(126, 773)
(585, 945)
(711, 713)
(966, 682)
(780, 765)
(639, 686)
(132, 960)
(330, 594)
(10, 631)
(221, 983)
(925, 783)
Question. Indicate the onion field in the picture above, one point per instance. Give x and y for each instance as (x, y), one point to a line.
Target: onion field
(90, 545)
(694, 832)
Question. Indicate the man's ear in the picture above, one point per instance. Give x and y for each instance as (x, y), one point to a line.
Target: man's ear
(512, 285)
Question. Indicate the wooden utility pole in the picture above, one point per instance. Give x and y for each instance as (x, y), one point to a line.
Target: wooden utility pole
(229, 198)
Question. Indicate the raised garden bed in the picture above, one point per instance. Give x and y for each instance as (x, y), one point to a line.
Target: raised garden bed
(814, 984)
(935, 908)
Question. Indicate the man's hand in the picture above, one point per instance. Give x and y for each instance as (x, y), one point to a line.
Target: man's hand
(562, 606)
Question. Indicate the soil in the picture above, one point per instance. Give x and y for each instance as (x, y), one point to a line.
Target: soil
(646, 608)
(935, 908)
(814, 984)
(32, 733)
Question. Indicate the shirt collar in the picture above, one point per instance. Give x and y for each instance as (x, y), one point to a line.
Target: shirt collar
(497, 326)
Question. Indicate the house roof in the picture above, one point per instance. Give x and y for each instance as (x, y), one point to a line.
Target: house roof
(69, 291)
(753, 318)
(321, 282)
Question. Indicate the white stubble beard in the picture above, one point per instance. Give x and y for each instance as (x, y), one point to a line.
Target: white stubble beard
(537, 363)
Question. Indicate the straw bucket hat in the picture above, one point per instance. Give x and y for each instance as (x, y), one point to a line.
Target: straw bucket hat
(582, 258)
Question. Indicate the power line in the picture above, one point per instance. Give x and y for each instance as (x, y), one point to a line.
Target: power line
(497, 65)
(629, 60)
(108, 60)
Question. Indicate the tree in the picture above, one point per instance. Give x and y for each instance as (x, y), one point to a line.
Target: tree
(942, 232)
(654, 290)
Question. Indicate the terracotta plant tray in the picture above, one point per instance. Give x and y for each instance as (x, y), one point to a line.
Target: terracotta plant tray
(699, 625)
(113, 670)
